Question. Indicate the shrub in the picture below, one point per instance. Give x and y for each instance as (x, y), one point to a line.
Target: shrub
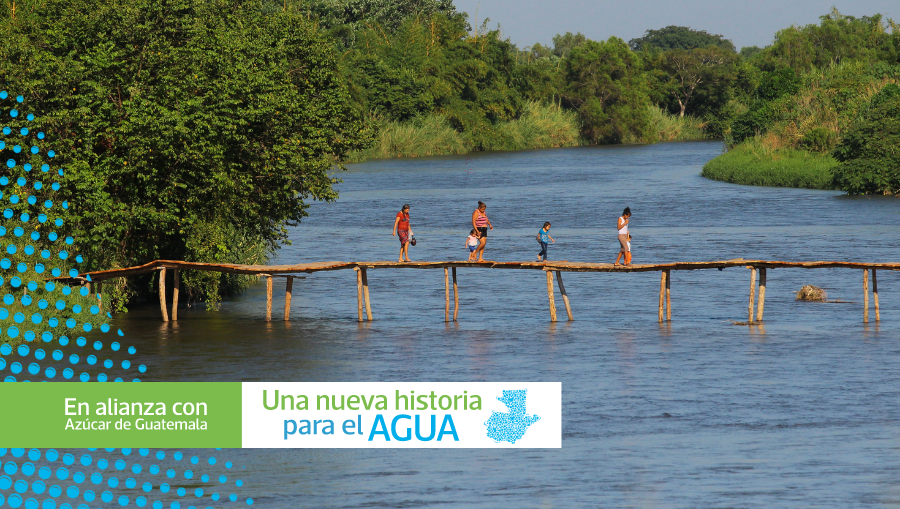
(869, 149)
(818, 139)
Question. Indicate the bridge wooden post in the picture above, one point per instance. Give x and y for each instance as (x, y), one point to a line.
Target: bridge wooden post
(752, 293)
(268, 297)
(875, 294)
(662, 293)
(668, 296)
(550, 295)
(455, 296)
(100, 295)
(176, 281)
(359, 296)
(565, 296)
(365, 285)
(762, 295)
(288, 288)
(866, 295)
(162, 294)
(446, 295)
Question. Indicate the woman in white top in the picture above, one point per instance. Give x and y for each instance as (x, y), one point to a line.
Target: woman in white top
(622, 226)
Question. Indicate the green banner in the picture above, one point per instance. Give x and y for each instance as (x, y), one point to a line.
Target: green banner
(147, 414)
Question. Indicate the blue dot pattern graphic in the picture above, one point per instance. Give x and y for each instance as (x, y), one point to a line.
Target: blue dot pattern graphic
(40, 311)
(92, 478)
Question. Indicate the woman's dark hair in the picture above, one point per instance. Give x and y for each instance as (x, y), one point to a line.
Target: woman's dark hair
(404, 207)
(546, 224)
(627, 211)
(481, 204)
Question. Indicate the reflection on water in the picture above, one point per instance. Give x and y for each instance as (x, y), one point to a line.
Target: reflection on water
(801, 411)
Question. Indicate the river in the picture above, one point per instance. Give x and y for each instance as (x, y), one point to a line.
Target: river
(801, 412)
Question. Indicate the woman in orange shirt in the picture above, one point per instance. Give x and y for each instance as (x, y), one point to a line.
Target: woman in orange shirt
(402, 230)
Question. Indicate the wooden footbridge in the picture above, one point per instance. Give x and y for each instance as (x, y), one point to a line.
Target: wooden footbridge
(362, 284)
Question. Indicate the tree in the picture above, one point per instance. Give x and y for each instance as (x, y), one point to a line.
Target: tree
(773, 88)
(688, 69)
(604, 82)
(177, 118)
(564, 44)
(344, 19)
(432, 65)
(540, 51)
(749, 52)
(677, 37)
(836, 39)
(868, 152)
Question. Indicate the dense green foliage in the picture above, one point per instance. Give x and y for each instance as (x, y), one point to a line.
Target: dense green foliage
(676, 37)
(763, 111)
(180, 118)
(838, 38)
(870, 148)
(426, 66)
(814, 89)
(434, 70)
(750, 51)
(605, 85)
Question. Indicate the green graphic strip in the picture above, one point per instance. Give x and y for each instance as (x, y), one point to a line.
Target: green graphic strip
(163, 414)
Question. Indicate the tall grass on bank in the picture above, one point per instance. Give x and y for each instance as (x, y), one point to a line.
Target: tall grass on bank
(538, 126)
(826, 105)
(674, 128)
(425, 136)
(753, 163)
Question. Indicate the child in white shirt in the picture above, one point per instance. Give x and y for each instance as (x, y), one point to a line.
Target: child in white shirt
(472, 243)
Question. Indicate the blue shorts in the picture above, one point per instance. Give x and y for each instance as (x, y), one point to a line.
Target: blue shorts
(472, 249)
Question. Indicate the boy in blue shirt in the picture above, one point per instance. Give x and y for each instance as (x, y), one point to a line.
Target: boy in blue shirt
(545, 239)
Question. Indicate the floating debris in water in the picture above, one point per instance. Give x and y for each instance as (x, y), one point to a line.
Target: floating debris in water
(812, 293)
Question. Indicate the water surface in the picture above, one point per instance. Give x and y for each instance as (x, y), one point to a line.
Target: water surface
(801, 412)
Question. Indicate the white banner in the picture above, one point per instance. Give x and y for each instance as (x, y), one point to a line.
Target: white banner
(400, 414)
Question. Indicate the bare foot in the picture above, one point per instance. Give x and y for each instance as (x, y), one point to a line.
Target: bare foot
(616, 264)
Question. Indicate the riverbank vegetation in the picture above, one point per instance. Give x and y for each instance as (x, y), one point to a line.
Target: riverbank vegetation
(200, 130)
(755, 163)
(820, 115)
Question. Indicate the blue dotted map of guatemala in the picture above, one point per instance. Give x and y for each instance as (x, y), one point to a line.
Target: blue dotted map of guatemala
(510, 426)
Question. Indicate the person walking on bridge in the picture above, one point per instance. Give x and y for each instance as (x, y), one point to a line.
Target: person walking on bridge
(401, 229)
(481, 223)
(622, 227)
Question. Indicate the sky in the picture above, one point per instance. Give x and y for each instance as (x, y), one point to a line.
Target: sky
(746, 23)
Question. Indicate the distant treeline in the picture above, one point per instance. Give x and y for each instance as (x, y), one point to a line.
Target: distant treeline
(423, 59)
(432, 83)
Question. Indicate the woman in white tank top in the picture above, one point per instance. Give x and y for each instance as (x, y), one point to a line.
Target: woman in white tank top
(622, 227)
